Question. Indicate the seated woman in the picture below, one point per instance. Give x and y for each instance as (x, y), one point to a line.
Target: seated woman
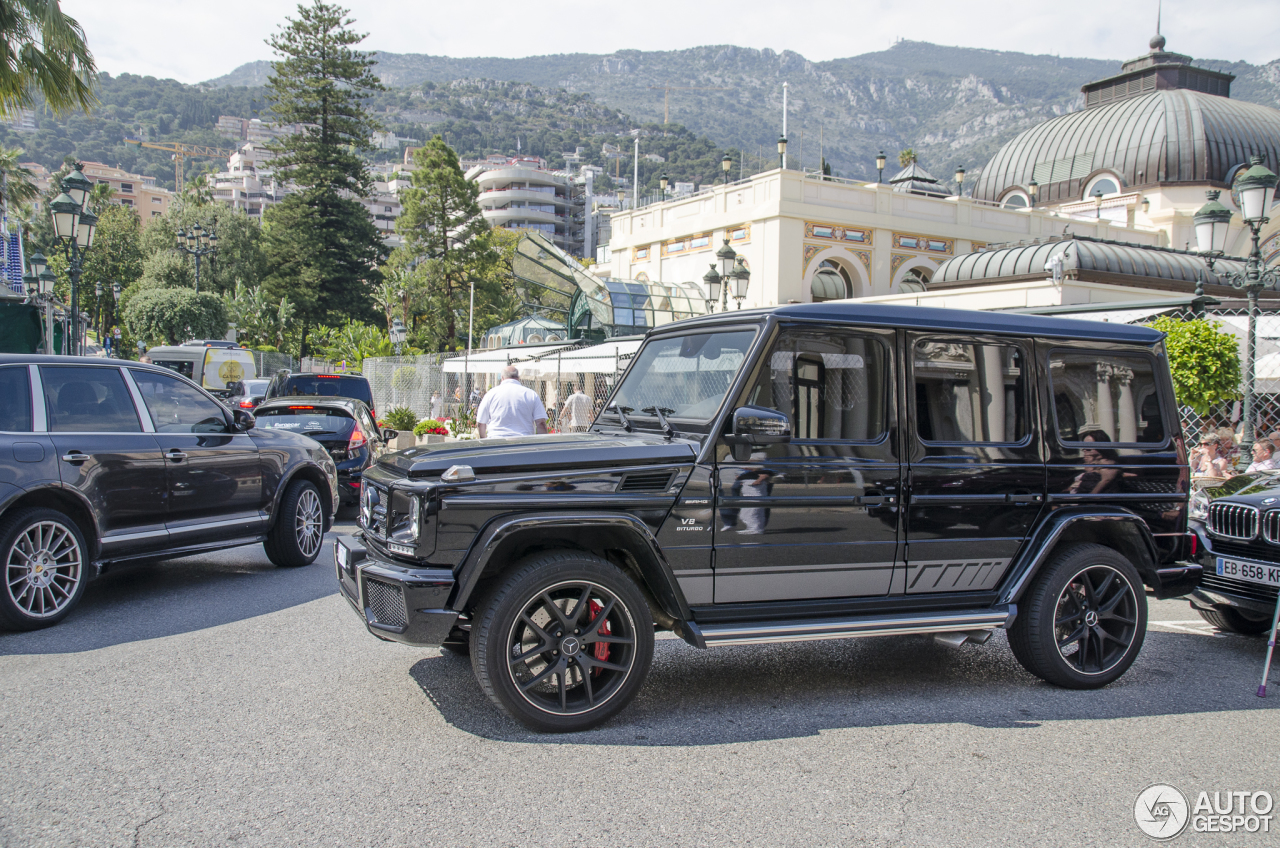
(1208, 460)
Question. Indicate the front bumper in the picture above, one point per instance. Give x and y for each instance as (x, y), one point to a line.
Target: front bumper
(1214, 592)
(397, 603)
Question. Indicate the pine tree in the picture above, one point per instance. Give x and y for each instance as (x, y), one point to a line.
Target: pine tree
(441, 223)
(322, 246)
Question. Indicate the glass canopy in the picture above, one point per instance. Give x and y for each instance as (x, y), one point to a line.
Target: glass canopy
(593, 307)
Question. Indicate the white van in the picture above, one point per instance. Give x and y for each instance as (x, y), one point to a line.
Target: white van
(219, 367)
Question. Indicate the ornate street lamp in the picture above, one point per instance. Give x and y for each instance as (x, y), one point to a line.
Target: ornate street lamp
(726, 165)
(74, 227)
(1097, 202)
(782, 151)
(197, 242)
(713, 281)
(960, 181)
(663, 182)
(741, 279)
(398, 334)
(1033, 190)
(725, 256)
(880, 166)
(1255, 188)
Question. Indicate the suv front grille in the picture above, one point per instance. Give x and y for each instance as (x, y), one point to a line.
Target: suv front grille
(386, 602)
(1233, 521)
(1240, 588)
(1271, 526)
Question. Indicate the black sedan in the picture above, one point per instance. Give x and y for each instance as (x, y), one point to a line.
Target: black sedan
(103, 461)
(343, 426)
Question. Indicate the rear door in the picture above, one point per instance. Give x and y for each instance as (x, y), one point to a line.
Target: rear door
(214, 477)
(26, 452)
(106, 451)
(976, 479)
(816, 518)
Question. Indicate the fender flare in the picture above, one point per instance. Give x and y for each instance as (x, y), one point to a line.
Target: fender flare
(1041, 544)
(287, 479)
(654, 568)
(13, 493)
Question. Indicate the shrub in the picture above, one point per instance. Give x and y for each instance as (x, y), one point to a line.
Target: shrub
(1203, 360)
(430, 426)
(401, 418)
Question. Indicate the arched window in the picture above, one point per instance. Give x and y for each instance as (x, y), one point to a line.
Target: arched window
(1015, 200)
(1107, 183)
(915, 280)
(830, 282)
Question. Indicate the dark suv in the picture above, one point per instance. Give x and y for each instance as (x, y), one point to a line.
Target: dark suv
(815, 471)
(103, 461)
(352, 386)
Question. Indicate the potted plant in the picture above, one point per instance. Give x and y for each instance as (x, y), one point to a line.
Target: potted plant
(403, 420)
(430, 430)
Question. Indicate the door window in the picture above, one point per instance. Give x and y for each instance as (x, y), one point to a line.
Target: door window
(85, 399)
(15, 412)
(968, 392)
(1103, 396)
(178, 407)
(833, 385)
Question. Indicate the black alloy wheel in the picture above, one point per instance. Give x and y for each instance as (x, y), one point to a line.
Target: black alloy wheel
(45, 568)
(564, 643)
(1084, 619)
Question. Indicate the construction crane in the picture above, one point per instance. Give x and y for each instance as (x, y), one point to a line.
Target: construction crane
(666, 96)
(181, 151)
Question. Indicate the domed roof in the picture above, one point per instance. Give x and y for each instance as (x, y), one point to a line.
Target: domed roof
(1178, 136)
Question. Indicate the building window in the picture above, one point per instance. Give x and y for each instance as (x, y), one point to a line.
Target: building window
(1015, 200)
(1108, 184)
(124, 201)
(830, 282)
(127, 188)
(915, 280)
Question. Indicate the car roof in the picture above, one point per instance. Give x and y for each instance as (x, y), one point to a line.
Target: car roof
(932, 318)
(327, 376)
(42, 359)
(346, 403)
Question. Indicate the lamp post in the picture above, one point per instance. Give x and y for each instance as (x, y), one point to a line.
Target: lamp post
(880, 166)
(713, 281)
(97, 308)
(663, 182)
(782, 152)
(725, 256)
(39, 287)
(741, 279)
(74, 225)
(115, 311)
(1097, 203)
(726, 165)
(398, 334)
(960, 181)
(1255, 187)
(199, 242)
(1033, 189)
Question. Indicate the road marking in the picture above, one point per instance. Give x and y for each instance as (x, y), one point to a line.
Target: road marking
(1200, 628)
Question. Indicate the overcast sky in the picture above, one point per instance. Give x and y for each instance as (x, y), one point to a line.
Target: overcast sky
(192, 41)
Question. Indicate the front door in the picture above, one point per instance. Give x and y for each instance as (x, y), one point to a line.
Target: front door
(816, 518)
(976, 480)
(214, 475)
(104, 453)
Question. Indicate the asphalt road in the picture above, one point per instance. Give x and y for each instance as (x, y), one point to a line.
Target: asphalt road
(217, 700)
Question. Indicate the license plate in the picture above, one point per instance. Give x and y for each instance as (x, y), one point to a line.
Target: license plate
(1254, 572)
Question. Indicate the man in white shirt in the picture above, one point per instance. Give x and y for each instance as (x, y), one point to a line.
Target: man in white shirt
(509, 409)
(577, 410)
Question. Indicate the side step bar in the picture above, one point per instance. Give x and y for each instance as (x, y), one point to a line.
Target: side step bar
(809, 629)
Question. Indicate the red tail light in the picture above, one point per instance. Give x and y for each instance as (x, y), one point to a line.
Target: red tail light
(246, 404)
(357, 439)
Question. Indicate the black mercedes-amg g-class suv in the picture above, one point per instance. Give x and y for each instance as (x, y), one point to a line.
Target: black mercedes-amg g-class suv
(812, 471)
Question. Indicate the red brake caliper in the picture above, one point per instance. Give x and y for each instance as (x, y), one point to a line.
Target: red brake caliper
(601, 649)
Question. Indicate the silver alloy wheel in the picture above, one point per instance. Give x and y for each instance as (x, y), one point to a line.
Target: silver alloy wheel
(308, 525)
(43, 568)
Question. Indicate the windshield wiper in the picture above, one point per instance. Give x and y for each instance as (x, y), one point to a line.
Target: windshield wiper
(662, 419)
(622, 415)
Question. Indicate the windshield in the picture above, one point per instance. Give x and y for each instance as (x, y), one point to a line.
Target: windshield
(307, 420)
(325, 386)
(688, 375)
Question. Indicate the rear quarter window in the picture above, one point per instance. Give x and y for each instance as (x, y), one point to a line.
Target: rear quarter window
(15, 388)
(1107, 396)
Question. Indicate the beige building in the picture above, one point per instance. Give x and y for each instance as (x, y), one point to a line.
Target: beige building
(136, 191)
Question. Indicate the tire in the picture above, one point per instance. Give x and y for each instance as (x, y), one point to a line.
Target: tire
(1083, 620)
(46, 567)
(540, 674)
(1233, 622)
(298, 534)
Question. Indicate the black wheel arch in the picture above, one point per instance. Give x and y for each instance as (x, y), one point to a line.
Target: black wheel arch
(65, 499)
(1112, 527)
(620, 538)
(312, 474)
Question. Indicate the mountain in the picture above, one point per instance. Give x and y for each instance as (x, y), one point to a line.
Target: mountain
(954, 106)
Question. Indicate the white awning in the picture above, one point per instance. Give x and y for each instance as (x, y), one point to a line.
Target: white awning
(604, 358)
(1118, 314)
(494, 360)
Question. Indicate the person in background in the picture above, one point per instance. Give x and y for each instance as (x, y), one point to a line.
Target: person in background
(1263, 457)
(1207, 460)
(437, 407)
(577, 410)
(510, 409)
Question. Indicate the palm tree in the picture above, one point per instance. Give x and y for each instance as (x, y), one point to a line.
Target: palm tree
(42, 50)
(906, 157)
(17, 184)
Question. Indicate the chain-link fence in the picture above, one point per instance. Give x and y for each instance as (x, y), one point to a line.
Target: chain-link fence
(269, 363)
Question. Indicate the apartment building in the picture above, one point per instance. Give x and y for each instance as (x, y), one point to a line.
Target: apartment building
(521, 193)
(248, 183)
(137, 191)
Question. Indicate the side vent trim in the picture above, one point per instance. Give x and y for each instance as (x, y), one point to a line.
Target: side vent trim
(646, 481)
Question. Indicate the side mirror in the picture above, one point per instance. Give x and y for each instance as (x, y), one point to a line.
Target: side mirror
(757, 426)
(389, 435)
(242, 419)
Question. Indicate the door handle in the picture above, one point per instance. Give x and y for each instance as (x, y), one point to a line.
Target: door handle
(75, 457)
(175, 455)
(1024, 498)
(874, 500)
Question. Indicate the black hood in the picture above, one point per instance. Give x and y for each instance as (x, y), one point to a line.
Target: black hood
(539, 454)
(1253, 489)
